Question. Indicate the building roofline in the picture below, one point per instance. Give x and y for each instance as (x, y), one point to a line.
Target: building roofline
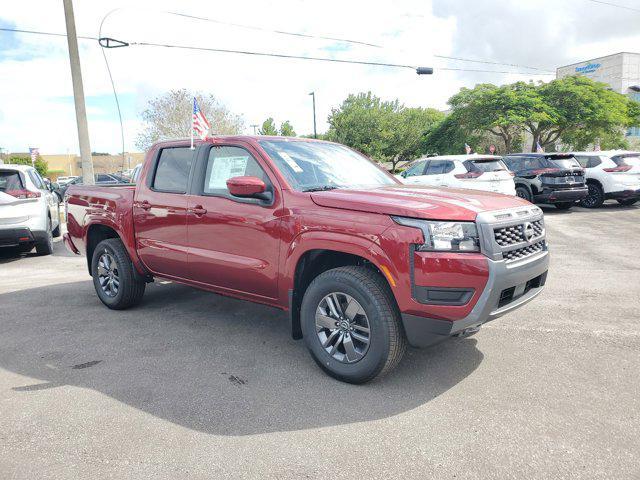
(597, 58)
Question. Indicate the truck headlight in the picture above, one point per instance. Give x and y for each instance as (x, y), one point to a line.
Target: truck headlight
(444, 236)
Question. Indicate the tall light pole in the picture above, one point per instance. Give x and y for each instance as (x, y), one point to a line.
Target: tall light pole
(254, 128)
(78, 94)
(315, 132)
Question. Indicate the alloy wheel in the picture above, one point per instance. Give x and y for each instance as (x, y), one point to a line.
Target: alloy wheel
(342, 327)
(108, 274)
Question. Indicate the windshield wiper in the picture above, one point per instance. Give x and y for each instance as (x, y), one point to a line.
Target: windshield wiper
(322, 188)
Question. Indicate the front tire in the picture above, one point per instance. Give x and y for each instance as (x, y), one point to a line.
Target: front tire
(524, 193)
(627, 202)
(114, 277)
(351, 324)
(595, 198)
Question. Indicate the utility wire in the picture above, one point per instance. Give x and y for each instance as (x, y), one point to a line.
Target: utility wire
(337, 39)
(292, 56)
(615, 5)
(278, 55)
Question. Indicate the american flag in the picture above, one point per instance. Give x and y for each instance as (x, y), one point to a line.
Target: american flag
(199, 123)
(34, 152)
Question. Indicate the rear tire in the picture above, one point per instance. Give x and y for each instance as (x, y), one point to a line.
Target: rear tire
(45, 246)
(564, 205)
(114, 278)
(347, 357)
(627, 202)
(524, 193)
(595, 198)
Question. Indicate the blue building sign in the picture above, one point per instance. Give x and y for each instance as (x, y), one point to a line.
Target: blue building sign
(589, 68)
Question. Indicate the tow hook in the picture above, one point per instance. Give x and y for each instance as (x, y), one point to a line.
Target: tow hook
(467, 332)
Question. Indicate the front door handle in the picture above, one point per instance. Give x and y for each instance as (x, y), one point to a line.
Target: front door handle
(144, 205)
(198, 210)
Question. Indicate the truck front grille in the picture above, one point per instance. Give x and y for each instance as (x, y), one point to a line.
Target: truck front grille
(514, 234)
(520, 253)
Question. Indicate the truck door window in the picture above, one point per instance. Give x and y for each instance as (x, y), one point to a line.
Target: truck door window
(172, 171)
(228, 162)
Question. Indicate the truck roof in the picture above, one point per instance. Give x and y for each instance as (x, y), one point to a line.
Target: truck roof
(222, 138)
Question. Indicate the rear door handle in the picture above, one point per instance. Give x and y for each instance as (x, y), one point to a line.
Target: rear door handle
(144, 205)
(198, 210)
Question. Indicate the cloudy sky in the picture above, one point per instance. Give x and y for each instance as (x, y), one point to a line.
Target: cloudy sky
(36, 103)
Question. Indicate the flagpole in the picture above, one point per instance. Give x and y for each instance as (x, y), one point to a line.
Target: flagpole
(192, 109)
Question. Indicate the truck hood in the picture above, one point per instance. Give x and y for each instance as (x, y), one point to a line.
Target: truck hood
(418, 201)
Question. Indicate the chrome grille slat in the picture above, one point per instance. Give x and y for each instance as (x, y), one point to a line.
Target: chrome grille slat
(514, 234)
(523, 252)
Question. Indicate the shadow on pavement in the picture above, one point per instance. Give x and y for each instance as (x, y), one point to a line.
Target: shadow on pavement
(204, 361)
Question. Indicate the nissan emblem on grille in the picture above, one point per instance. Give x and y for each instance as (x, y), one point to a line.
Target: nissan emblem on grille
(529, 232)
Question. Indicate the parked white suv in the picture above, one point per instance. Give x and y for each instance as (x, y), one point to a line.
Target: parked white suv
(29, 211)
(478, 172)
(610, 175)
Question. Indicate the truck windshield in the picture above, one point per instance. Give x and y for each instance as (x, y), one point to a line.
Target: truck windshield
(309, 166)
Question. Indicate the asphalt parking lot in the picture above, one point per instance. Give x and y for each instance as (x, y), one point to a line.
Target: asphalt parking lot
(195, 385)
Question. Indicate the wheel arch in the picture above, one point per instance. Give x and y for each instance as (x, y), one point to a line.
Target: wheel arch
(314, 261)
(96, 233)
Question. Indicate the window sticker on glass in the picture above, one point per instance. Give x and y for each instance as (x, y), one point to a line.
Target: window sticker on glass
(290, 161)
(226, 168)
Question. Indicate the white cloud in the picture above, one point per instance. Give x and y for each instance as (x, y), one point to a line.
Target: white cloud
(33, 113)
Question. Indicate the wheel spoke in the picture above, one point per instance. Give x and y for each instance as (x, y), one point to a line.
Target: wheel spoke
(360, 328)
(332, 307)
(330, 338)
(336, 344)
(324, 321)
(349, 349)
(360, 338)
(353, 309)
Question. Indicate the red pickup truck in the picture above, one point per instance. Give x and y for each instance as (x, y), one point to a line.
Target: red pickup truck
(362, 263)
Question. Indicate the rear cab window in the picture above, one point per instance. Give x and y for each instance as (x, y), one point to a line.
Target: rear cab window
(172, 170)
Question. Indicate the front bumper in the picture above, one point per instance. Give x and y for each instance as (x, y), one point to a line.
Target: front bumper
(562, 195)
(509, 286)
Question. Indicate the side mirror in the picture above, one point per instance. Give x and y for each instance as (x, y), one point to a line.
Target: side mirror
(404, 174)
(248, 187)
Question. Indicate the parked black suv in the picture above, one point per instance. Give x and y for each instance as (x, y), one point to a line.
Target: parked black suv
(555, 178)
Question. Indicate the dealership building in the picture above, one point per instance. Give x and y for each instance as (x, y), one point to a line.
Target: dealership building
(621, 71)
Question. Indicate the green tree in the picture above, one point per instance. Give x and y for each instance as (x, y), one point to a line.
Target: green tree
(168, 116)
(384, 130)
(579, 107)
(574, 110)
(268, 127)
(286, 129)
(41, 165)
(449, 137)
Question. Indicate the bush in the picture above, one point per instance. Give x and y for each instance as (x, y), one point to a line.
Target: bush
(41, 166)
